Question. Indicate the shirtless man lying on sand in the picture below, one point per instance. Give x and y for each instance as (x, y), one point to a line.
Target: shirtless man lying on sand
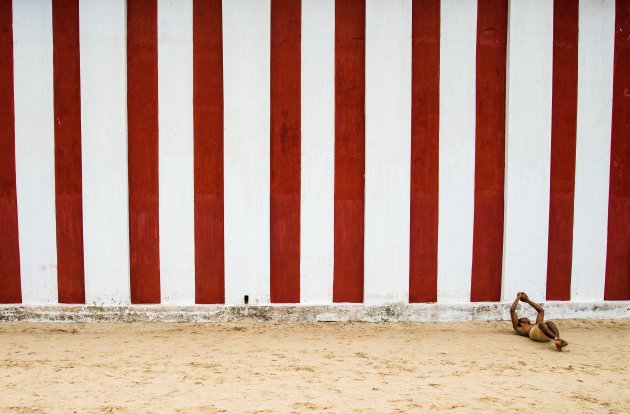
(542, 330)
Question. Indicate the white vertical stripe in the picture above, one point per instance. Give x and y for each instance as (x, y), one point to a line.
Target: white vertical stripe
(35, 149)
(592, 167)
(528, 147)
(104, 151)
(457, 148)
(246, 64)
(318, 151)
(175, 93)
(387, 150)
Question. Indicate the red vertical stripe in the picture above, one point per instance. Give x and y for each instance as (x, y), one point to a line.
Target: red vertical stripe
(285, 150)
(208, 125)
(142, 108)
(349, 149)
(425, 117)
(487, 260)
(563, 130)
(68, 191)
(10, 289)
(618, 254)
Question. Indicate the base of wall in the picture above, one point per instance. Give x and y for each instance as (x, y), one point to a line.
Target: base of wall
(401, 312)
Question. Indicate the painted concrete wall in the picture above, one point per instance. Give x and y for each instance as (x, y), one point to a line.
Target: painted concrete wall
(247, 161)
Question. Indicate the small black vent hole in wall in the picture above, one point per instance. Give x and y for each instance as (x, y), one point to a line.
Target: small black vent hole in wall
(246, 299)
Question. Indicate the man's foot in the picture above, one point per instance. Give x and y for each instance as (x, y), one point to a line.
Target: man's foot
(560, 343)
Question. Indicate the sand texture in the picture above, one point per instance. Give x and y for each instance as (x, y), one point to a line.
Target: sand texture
(326, 367)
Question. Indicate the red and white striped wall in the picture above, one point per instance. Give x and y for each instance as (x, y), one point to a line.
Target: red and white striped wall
(314, 151)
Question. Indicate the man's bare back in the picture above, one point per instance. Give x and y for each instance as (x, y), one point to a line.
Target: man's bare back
(541, 330)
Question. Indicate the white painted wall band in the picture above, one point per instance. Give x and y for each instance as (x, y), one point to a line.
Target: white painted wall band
(103, 42)
(387, 150)
(246, 83)
(318, 151)
(592, 164)
(176, 146)
(35, 149)
(457, 148)
(528, 147)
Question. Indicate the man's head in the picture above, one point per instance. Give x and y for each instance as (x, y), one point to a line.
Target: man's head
(524, 321)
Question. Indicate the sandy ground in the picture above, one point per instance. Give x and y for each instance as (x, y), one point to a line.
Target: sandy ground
(326, 367)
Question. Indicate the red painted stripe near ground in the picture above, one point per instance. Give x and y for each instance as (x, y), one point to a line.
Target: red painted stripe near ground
(285, 148)
(563, 133)
(618, 253)
(10, 288)
(68, 190)
(425, 129)
(349, 150)
(142, 108)
(208, 125)
(487, 259)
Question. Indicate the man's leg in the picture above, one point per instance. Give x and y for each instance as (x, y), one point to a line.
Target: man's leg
(543, 327)
(552, 327)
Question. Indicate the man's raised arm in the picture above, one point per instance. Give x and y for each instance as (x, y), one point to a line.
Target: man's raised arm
(513, 313)
(541, 312)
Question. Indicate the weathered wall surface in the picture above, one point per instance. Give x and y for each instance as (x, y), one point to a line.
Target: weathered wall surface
(313, 152)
